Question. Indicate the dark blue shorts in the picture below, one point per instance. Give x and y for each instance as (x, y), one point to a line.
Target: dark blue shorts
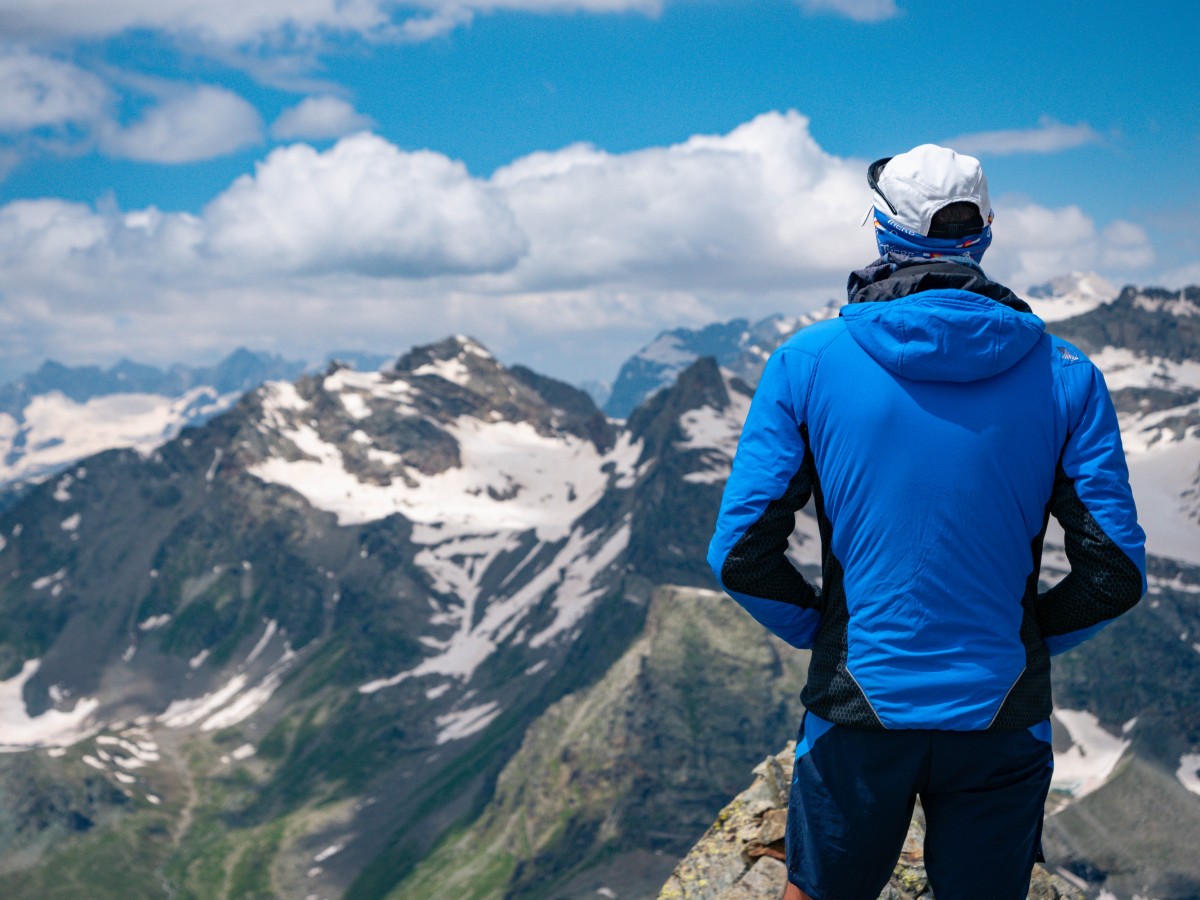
(853, 793)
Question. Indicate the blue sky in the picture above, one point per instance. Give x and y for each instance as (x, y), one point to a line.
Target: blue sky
(560, 178)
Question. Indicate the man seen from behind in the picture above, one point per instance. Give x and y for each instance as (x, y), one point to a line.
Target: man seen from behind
(936, 426)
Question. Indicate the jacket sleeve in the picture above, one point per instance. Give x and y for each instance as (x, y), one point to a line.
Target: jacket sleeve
(1092, 501)
(771, 479)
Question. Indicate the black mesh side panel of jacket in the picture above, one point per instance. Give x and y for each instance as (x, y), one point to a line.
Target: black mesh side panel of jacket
(1103, 581)
(757, 565)
(1029, 699)
(831, 691)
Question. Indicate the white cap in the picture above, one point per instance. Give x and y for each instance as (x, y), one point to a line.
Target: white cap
(913, 186)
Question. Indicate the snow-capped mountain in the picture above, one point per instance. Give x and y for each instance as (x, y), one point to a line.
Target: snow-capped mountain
(737, 346)
(302, 648)
(1070, 295)
(61, 414)
(358, 585)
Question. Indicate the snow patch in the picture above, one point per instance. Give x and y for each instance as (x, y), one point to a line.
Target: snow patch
(154, 622)
(241, 754)
(667, 351)
(464, 723)
(138, 752)
(230, 704)
(511, 478)
(576, 591)
(1089, 761)
(58, 430)
(1158, 584)
(268, 633)
(211, 472)
(385, 457)
(624, 458)
(715, 432)
(1159, 477)
(62, 490)
(1188, 772)
(53, 728)
(355, 405)
(353, 388)
(1179, 305)
(1123, 368)
(332, 850)
(40, 584)
(568, 578)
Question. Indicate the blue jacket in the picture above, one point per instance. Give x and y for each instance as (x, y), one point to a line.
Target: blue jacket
(937, 426)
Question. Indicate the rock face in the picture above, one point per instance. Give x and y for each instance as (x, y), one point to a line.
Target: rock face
(741, 856)
(609, 780)
(737, 346)
(300, 642)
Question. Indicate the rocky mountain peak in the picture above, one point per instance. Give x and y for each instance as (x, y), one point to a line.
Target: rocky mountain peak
(1151, 323)
(441, 357)
(738, 346)
(741, 857)
(1088, 283)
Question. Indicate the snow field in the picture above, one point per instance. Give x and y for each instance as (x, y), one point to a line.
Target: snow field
(59, 430)
(1093, 755)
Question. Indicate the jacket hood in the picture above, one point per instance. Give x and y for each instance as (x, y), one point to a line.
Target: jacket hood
(940, 322)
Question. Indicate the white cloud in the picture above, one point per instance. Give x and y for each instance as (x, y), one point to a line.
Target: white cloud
(563, 260)
(1049, 137)
(761, 206)
(199, 123)
(1124, 245)
(1181, 277)
(1035, 243)
(319, 117)
(278, 22)
(364, 207)
(38, 91)
(858, 10)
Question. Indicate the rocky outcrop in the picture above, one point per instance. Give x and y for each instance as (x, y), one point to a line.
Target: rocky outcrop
(741, 856)
(611, 783)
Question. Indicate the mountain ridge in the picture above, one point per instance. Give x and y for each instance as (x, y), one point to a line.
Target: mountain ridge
(318, 628)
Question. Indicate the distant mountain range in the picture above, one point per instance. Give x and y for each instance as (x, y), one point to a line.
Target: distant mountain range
(60, 414)
(443, 628)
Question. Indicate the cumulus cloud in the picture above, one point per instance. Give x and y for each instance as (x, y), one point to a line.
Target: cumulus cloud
(763, 205)
(38, 91)
(1035, 243)
(364, 207)
(563, 260)
(1048, 137)
(199, 123)
(319, 117)
(858, 10)
(297, 22)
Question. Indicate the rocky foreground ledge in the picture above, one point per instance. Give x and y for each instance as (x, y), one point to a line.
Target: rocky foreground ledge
(741, 856)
